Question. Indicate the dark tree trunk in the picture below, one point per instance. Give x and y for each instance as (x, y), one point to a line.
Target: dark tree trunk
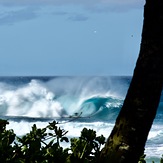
(128, 137)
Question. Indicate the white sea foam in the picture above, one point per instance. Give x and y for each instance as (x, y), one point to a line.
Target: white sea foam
(73, 128)
(33, 99)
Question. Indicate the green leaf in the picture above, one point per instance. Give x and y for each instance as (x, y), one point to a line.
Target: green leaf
(100, 139)
(50, 134)
(64, 139)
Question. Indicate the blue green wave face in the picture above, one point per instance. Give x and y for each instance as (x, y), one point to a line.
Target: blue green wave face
(102, 108)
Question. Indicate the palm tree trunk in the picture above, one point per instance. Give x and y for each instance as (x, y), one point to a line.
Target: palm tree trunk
(128, 137)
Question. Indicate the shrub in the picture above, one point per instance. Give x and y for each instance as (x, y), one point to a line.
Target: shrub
(43, 145)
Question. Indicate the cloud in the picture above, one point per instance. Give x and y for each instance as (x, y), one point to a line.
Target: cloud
(78, 17)
(12, 15)
(94, 5)
(61, 13)
(12, 11)
(9, 17)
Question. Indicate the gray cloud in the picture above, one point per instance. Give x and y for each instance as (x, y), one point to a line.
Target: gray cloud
(11, 16)
(21, 10)
(61, 13)
(78, 17)
(94, 5)
(72, 16)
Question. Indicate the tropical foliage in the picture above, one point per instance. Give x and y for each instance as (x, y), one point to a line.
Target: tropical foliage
(44, 145)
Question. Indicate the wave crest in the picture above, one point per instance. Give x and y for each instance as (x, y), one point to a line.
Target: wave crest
(60, 98)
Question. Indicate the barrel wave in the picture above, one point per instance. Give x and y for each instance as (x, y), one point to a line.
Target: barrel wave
(60, 97)
(101, 108)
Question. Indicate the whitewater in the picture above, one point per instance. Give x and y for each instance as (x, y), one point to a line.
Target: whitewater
(96, 101)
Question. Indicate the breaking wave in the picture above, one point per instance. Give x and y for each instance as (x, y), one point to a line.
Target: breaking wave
(61, 97)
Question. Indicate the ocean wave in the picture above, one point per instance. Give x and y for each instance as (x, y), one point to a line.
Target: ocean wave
(100, 107)
(49, 99)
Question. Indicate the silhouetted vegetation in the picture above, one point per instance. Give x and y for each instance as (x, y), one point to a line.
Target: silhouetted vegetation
(44, 145)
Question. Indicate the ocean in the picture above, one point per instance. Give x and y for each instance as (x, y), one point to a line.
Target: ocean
(25, 101)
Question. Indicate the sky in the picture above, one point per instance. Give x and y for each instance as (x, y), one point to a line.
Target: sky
(69, 37)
